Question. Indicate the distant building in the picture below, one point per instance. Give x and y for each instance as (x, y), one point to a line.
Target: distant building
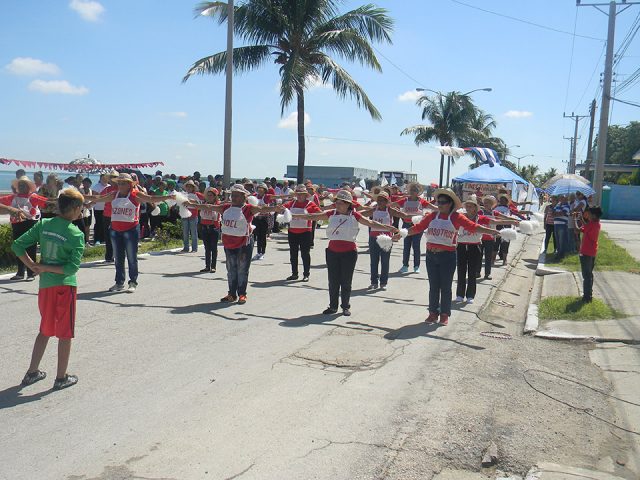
(333, 177)
(398, 177)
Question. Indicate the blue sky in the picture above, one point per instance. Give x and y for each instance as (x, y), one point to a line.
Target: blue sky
(104, 78)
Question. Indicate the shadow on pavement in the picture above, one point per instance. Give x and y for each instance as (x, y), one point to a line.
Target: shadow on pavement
(12, 397)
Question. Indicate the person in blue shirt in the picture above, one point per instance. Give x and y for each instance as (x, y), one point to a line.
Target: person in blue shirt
(561, 214)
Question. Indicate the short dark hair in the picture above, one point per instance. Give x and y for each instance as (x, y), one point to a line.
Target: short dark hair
(69, 199)
(595, 211)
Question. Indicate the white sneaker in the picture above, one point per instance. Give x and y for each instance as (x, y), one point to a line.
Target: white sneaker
(469, 300)
(459, 299)
(383, 288)
(117, 287)
(416, 269)
(373, 286)
(257, 257)
(404, 269)
(132, 287)
(262, 256)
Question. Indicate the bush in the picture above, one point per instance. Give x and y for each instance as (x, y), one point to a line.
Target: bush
(624, 180)
(167, 232)
(7, 258)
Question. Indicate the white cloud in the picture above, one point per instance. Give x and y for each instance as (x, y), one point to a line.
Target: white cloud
(89, 10)
(518, 114)
(291, 122)
(190, 144)
(31, 67)
(409, 96)
(57, 86)
(177, 114)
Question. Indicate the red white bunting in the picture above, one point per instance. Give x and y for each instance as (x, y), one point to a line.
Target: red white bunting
(77, 167)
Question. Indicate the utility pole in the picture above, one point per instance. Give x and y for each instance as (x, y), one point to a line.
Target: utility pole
(571, 152)
(603, 128)
(574, 142)
(228, 103)
(592, 114)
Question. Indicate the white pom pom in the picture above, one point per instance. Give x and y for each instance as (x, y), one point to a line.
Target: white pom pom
(416, 219)
(181, 198)
(404, 232)
(508, 234)
(526, 227)
(252, 200)
(357, 191)
(536, 225)
(252, 227)
(156, 211)
(539, 217)
(385, 242)
(287, 215)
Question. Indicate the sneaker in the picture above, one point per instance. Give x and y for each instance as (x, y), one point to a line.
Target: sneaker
(262, 256)
(65, 382)
(242, 299)
(330, 311)
(444, 319)
(459, 299)
(346, 312)
(132, 287)
(228, 299)
(33, 377)
(213, 270)
(292, 277)
(205, 270)
(30, 278)
(404, 269)
(383, 287)
(470, 300)
(432, 318)
(488, 277)
(17, 277)
(194, 251)
(184, 250)
(416, 269)
(305, 278)
(373, 286)
(117, 287)
(256, 257)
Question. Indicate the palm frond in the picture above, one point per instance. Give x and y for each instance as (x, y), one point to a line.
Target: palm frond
(422, 133)
(348, 44)
(370, 21)
(244, 59)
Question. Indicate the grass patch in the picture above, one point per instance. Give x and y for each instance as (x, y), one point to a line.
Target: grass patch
(610, 257)
(573, 308)
(97, 253)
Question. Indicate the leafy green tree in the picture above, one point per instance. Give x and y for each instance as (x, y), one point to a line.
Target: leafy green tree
(303, 37)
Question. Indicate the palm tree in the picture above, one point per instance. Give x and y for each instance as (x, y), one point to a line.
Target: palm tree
(450, 116)
(302, 37)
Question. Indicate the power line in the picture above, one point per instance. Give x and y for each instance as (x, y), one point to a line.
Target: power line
(417, 82)
(635, 26)
(626, 102)
(546, 27)
(604, 47)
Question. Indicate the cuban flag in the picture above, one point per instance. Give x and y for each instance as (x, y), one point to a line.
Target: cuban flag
(486, 155)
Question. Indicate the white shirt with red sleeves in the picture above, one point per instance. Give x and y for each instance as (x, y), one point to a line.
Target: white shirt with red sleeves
(236, 225)
(301, 208)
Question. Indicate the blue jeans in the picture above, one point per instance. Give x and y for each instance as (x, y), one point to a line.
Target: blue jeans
(587, 263)
(411, 242)
(126, 244)
(440, 269)
(571, 240)
(190, 227)
(238, 263)
(562, 236)
(378, 256)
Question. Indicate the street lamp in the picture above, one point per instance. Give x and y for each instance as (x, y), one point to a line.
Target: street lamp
(520, 158)
(488, 89)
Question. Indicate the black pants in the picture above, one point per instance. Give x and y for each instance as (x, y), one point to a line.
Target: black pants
(144, 225)
(340, 267)
(106, 231)
(17, 229)
(314, 225)
(469, 257)
(209, 235)
(587, 263)
(502, 247)
(300, 242)
(487, 251)
(549, 232)
(260, 233)
(98, 232)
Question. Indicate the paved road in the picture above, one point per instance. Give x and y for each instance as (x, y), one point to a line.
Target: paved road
(176, 386)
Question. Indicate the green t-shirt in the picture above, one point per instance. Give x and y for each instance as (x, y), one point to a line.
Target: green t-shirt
(61, 243)
(164, 208)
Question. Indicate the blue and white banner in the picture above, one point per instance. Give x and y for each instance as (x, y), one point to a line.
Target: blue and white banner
(486, 155)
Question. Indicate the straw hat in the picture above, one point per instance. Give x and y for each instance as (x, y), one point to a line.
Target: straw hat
(112, 173)
(415, 185)
(491, 198)
(451, 194)
(124, 177)
(24, 179)
(239, 189)
(473, 200)
(211, 189)
(301, 189)
(263, 186)
(384, 195)
(345, 196)
(189, 182)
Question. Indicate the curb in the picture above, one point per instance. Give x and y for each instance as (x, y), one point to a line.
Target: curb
(542, 269)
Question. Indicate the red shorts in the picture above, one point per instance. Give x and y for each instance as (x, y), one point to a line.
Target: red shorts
(58, 311)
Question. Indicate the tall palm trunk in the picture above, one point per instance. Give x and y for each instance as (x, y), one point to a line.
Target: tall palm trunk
(301, 145)
(441, 170)
(448, 169)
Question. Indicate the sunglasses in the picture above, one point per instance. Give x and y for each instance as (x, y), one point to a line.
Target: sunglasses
(444, 202)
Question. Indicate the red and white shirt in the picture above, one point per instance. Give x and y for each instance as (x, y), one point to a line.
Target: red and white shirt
(488, 214)
(342, 231)
(30, 203)
(381, 216)
(236, 225)
(412, 207)
(442, 230)
(107, 206)
(210, 217)
(465, 237)
(195, 197)
(125, 212)
(301, 208)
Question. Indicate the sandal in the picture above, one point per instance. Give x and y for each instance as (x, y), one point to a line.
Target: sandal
(33, 377)
(65, 382)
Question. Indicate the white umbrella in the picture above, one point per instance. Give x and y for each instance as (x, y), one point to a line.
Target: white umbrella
(566, 176)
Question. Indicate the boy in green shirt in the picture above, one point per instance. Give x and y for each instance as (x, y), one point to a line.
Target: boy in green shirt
(61, 249)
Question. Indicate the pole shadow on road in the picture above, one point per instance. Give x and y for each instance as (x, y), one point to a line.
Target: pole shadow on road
(11, 397)
(416, 330)
(314, 319)
(11, 290)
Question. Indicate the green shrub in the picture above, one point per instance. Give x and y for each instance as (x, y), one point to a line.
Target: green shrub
(167, 232)
(7, 258)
